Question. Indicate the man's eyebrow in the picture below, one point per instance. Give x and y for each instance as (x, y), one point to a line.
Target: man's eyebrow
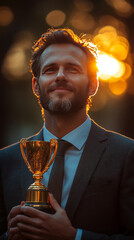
(48, 65)
(74, 64)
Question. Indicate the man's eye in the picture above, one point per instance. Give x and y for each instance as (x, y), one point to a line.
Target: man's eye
(73, 69)
(49, 70)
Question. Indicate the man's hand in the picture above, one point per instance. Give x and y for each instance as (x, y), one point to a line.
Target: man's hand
(13, 230)
(35, 224)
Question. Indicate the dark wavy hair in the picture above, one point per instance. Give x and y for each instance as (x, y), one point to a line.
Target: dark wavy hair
(60, 36)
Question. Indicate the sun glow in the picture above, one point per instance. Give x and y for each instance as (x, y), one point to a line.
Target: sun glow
(109, 67)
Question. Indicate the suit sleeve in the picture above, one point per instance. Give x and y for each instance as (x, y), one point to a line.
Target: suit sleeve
(126, 206)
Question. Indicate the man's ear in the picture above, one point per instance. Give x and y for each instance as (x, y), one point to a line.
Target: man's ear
(93, 86)
(35, 86)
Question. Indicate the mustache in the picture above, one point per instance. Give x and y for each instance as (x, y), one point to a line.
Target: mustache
(61, 84)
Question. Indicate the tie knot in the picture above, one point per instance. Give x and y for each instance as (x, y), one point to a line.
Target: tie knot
(62, 147)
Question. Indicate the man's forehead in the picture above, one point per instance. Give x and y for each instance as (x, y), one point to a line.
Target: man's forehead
(63, 50)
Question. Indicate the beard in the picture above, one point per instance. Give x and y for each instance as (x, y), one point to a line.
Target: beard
(63, 104)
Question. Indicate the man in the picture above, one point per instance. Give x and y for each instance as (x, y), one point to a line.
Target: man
(98, 187)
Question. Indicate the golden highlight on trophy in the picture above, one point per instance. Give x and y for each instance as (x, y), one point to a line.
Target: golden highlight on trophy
(37, 156)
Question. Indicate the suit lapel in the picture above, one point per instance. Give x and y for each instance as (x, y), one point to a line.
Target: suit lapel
(26, 175)
(94, 148)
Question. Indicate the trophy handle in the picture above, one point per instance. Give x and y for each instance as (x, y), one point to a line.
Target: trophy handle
(22, 145)
(53, 143)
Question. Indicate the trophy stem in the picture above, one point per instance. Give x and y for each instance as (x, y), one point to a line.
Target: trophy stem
(38, 176)
(37, 185)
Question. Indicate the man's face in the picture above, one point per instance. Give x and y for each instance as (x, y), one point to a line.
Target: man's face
(63, 81)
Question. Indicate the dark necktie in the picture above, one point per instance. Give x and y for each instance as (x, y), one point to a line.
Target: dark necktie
(57, 173)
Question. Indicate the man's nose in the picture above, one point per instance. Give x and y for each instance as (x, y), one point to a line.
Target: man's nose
(60, 74)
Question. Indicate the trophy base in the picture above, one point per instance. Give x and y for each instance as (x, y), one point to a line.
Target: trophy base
(39, 199)
(41, 206)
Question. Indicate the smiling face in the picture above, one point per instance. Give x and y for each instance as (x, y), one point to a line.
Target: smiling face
(64, 84)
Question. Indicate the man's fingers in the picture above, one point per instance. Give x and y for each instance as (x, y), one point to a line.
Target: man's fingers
(14, 211)
(26, 220)
(12, 232)
(54, 203)
(33, 212)
(40, 231)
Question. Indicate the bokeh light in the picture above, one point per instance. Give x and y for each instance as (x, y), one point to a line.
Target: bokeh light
(82, 21)
(118, 88)
(128, 71)
(120, 48)
(105, 37)
(6, 16)
(85, 5)
(108, 66)
(123, 7)
(16, 62)
(14, 65)
(55, 18)
(114, 22)
(113, 65)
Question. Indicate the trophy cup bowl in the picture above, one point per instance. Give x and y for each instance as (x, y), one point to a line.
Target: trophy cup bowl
(37, 157)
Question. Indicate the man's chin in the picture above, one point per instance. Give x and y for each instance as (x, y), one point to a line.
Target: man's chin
(59, 106)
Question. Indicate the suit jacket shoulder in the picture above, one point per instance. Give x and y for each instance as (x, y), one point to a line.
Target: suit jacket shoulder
(12, 149)
(112, 137)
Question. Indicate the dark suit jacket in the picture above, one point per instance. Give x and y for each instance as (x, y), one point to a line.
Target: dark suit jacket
(101, 200)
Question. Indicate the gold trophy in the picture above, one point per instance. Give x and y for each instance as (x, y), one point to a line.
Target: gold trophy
(38, 159)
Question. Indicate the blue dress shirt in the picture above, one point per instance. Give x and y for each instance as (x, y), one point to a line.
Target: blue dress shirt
(77, 138)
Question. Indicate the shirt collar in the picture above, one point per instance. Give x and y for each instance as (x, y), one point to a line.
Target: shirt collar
(77, 137)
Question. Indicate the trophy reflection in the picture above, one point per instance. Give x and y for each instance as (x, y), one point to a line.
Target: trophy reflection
(38, 159)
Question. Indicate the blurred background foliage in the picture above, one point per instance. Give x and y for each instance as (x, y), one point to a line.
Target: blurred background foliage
(108, 23)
